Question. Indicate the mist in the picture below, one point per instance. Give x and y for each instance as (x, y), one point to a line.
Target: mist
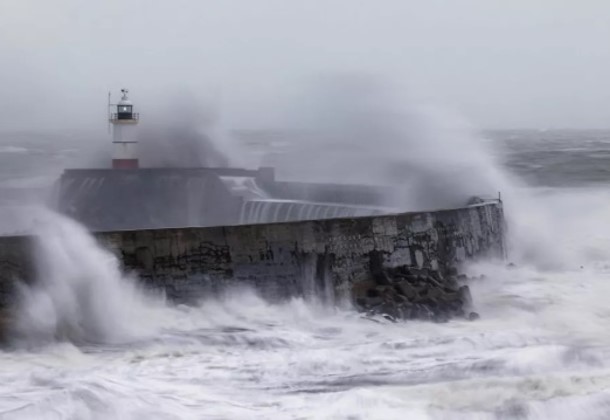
(360, 129)
(391, 93)
(539, 64)
(182, 131)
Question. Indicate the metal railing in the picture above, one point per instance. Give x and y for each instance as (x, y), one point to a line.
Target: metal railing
(134, 116)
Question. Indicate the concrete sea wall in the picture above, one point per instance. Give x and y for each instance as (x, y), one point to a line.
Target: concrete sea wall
(153, 198)
(323, 257)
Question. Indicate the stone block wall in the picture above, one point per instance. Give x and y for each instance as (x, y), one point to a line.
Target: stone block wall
(322, 257)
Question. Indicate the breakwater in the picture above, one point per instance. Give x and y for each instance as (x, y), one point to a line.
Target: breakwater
(154, 198)
(327, 258)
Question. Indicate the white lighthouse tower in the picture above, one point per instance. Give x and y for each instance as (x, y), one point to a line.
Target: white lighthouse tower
(124, 133)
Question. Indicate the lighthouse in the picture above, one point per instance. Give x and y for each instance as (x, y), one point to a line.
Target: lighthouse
(124, 133)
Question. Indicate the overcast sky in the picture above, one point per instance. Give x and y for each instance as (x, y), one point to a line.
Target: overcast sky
(498, 63)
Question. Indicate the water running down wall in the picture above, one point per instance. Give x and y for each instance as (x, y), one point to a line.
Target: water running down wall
(273, 211)
(151, 198)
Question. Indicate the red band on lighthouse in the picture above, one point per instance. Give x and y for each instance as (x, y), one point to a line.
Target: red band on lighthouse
(125, 164)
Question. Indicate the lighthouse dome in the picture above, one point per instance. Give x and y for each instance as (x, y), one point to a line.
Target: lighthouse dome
(124, 99)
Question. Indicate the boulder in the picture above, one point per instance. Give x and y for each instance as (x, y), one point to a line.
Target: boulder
(407, 290)
(473, 316)
(373, 293)
(400, 299)
(402, 270)
(360, 289)
(423, 312)
(382, 278)
(390, 310)
(451, 285)
(451, 271)
(465, 297)
(436, 275)
(423, 272)
(435, 293)
(413, 279)
(373, 301)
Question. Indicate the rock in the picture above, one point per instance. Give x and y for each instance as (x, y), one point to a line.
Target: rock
(432, 304)
(423, 312)
(433, 282)
(407, 311)
(407, 290)
(422, 290)
(450, 290)
(373, 292)
(449, 297)
(382, 278)
(411, 279)
(397, 277)
(360, 289)
(452, 284)
(390, 310)
(402, 270)
(398, 298)
(435, 293)
(436, 275)
(387, 293)
(375, 309)
(422, 279)
(455, 306)
(472, 316)
(387, 310)
(422, 272)
(373, 301)
(465, 297)
(389, 317)
(459, 313)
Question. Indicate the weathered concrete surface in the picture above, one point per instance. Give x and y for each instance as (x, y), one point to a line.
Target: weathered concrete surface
(324, 257)
(105, 199)
(157, 198)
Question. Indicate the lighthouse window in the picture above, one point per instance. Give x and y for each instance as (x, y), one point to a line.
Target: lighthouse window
(124, 109)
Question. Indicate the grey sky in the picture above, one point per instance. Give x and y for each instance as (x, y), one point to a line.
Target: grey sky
(499, 63)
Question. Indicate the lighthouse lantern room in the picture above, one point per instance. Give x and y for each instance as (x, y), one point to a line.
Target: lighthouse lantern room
(124, 133)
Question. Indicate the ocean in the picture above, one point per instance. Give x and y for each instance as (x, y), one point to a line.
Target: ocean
(90, 344)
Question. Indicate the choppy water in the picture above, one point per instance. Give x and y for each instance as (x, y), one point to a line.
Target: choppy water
(540, 350)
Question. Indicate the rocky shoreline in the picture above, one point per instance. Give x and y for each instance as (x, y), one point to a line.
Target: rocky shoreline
(409, 293)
